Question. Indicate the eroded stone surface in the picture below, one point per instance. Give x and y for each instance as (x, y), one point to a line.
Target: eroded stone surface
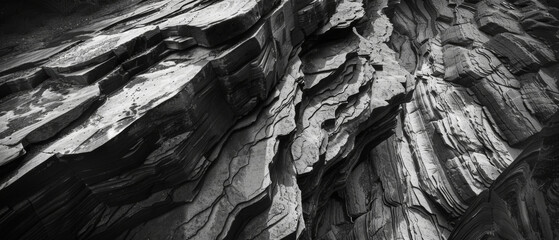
(461, 131)
(39, 114)
(495, 17)
(522, 202)
(218, 22)
(313, 119)
(98, 50)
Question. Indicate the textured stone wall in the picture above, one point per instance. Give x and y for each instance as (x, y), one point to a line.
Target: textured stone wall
(284, 119)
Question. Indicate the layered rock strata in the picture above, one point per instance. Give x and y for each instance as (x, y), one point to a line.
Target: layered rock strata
(172, 130)
(470, 116)
(282, 119)
(522, 203)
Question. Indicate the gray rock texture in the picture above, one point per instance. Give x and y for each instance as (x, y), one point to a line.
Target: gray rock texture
(287, 119)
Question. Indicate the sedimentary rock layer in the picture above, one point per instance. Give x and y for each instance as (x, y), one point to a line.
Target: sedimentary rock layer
(470, 116)
(283, 119)
(522, 203)
(170, 129)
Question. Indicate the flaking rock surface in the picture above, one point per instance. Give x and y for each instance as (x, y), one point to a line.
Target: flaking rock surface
(287, 119)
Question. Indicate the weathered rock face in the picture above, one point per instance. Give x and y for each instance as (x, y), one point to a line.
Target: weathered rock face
(522, 203)
(273, 119)
(471, 114)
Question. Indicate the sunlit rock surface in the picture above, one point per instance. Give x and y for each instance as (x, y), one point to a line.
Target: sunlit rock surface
(287, 119)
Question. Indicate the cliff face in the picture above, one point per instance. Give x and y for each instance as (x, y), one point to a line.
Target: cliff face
(486, 85)
(273, 119)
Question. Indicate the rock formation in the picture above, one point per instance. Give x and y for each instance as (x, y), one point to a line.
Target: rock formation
(287, 119)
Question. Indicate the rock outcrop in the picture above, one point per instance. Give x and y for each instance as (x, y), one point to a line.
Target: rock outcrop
(522, 202)
(284, 119)
(469, 118)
